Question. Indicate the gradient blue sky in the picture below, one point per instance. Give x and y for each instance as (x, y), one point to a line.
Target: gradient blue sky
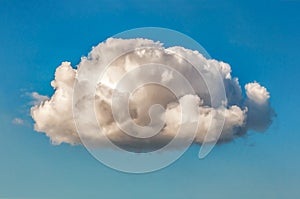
(260, 40)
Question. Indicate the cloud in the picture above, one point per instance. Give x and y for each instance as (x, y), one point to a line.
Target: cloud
(54, 117)
(257, 93)
(18, 121)
(37, 98)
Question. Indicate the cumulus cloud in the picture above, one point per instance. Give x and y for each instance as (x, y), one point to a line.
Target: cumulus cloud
(54, 117)
(257, 93)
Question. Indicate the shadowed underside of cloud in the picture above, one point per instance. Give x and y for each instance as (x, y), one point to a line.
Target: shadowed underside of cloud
(241, 113)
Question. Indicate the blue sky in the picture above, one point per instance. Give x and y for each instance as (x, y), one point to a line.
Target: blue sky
(259, 40)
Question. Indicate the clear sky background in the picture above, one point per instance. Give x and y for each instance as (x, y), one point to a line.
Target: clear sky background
(259, 39)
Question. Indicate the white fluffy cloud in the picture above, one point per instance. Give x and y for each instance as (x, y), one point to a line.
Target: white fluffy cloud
(257, 93)
(54, 116)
